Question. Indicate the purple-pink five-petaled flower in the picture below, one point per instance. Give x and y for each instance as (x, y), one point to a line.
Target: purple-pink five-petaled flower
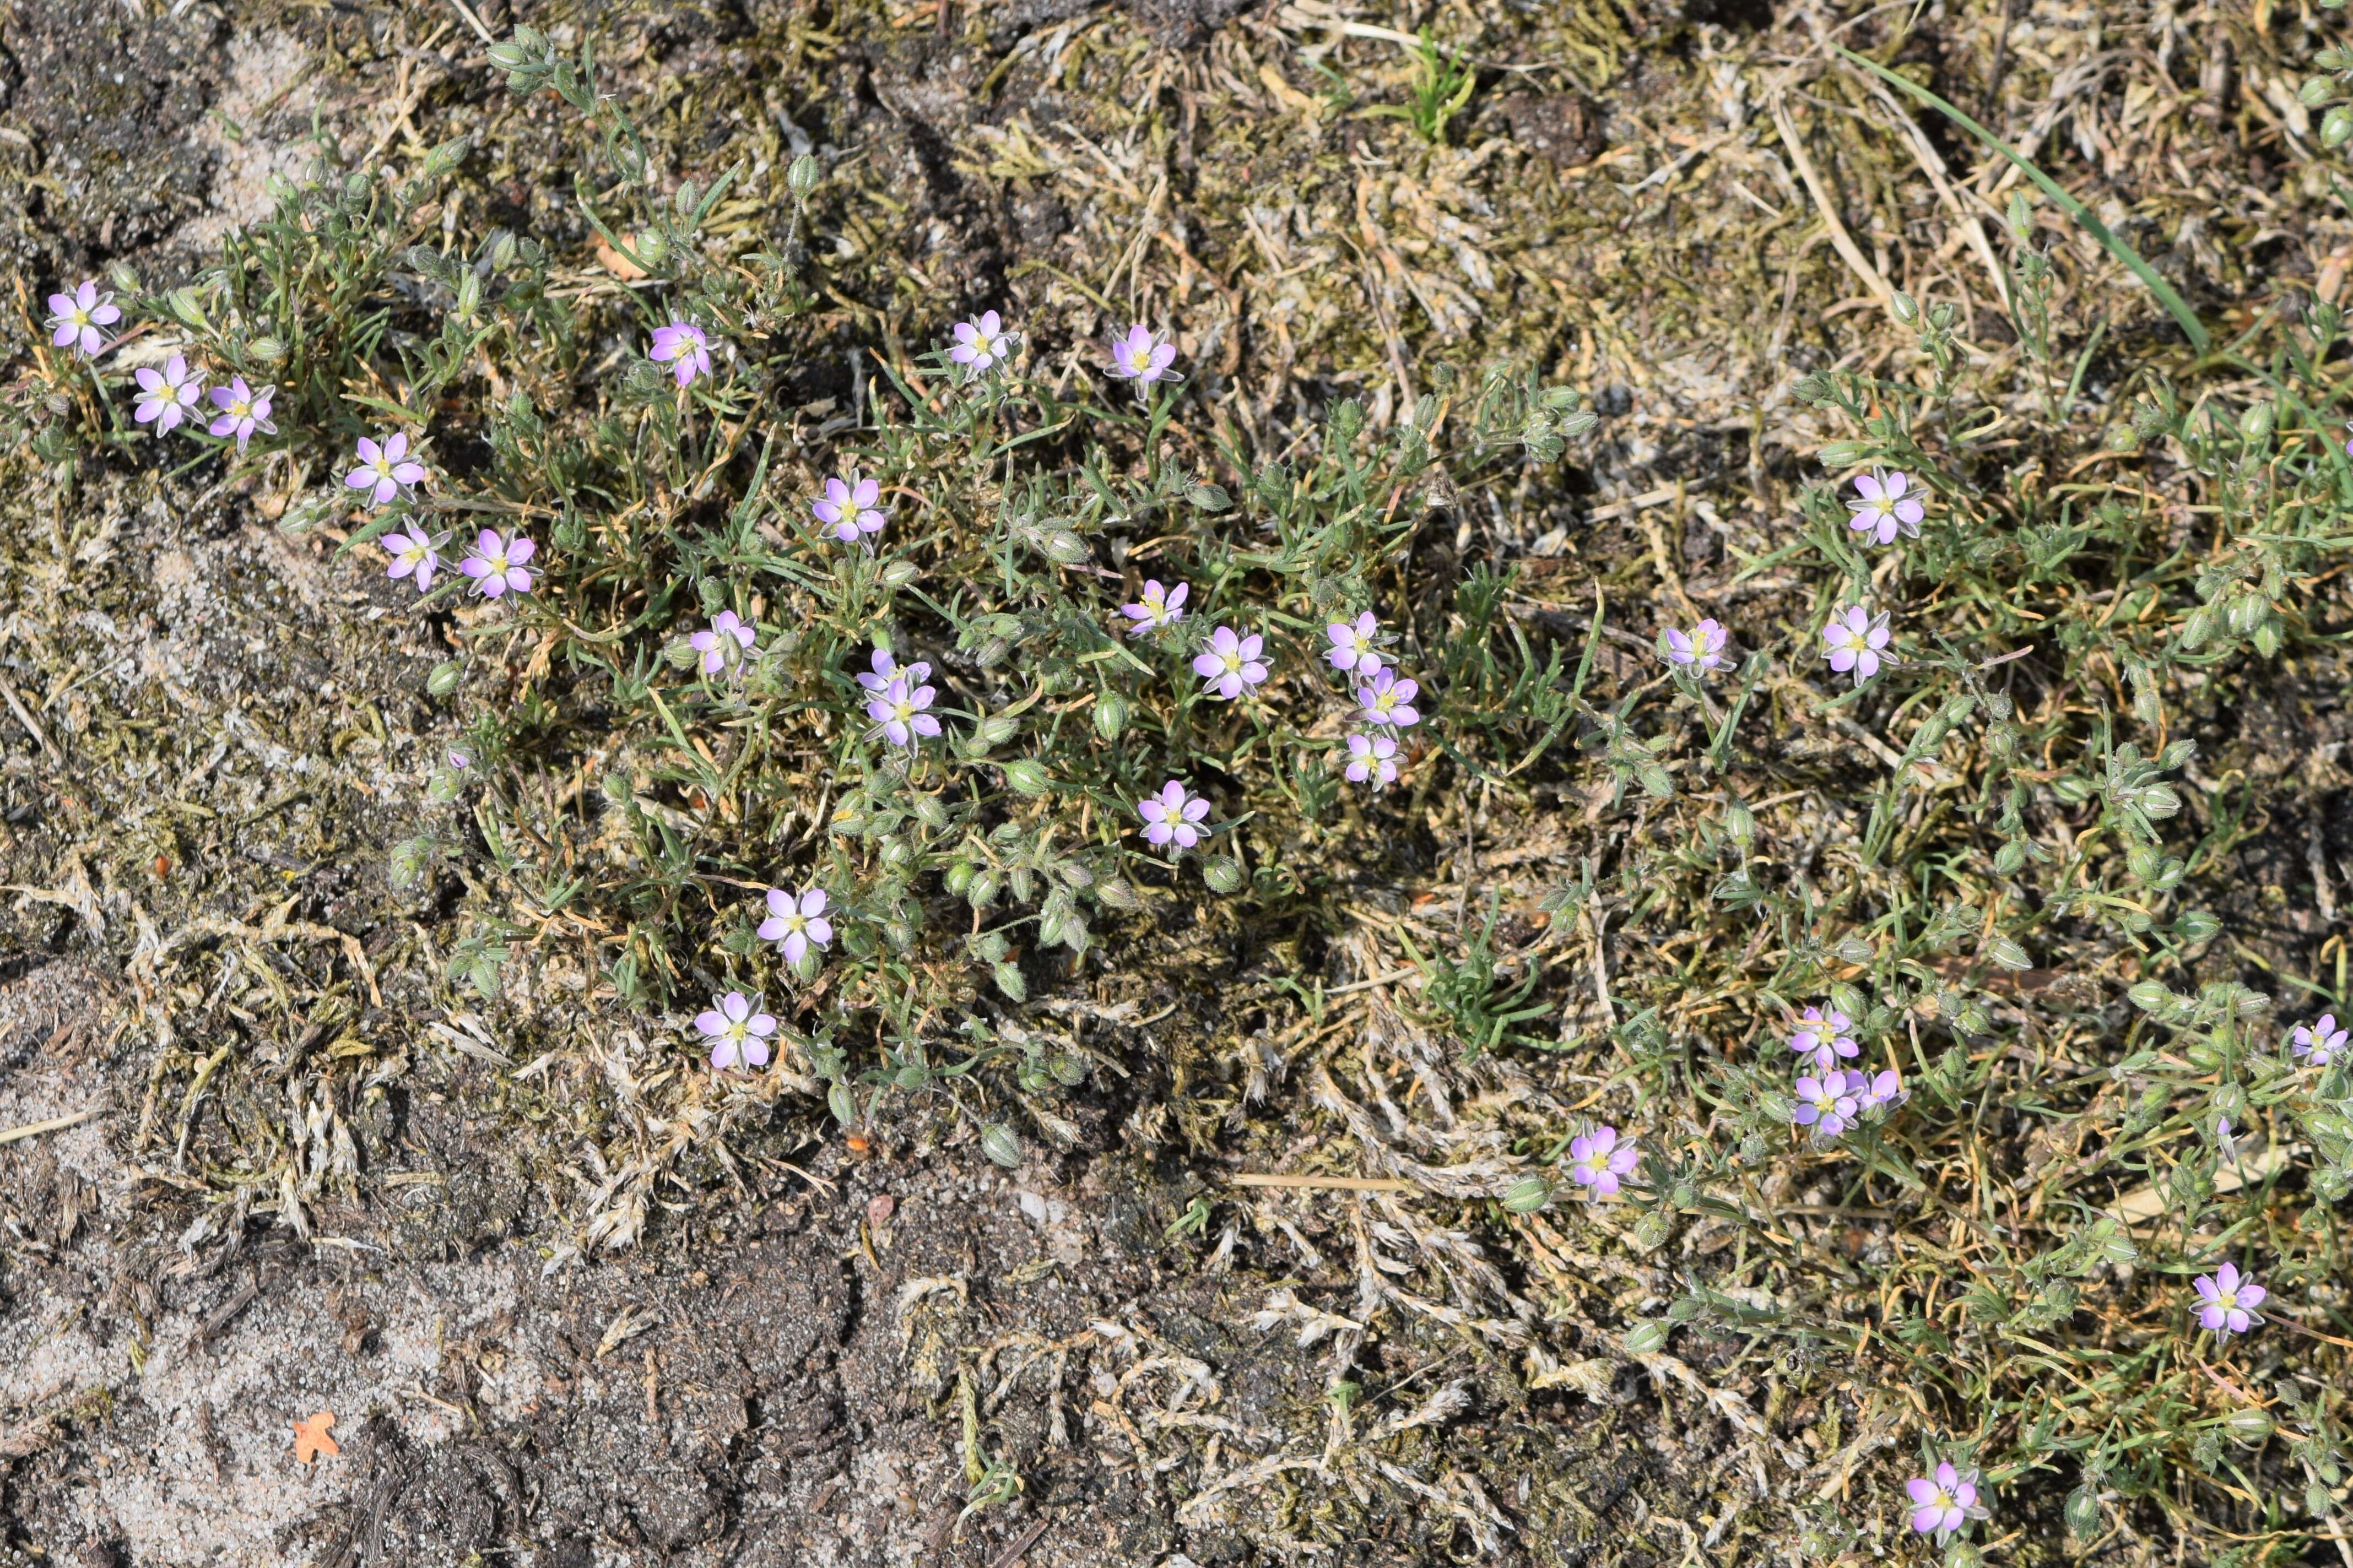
(726, 641)
(682, 347)
(2319, 1043)
(243, 410)
(1881, 506)
(1598, 1161)
(2228, 1300)
(796, 924)
(1373, 758)
(1855, 641)
(384, 469)
(1884, 1088)
(413, 556)
(496, 560)
(887, 669)
(1141, 357)
(1943, 1502)
(168, 397)
(899, 715)
(75, 317)
(1821, 1038)
(1702, 649)
(1827, 1104)
(1231, 663)
(1388, 700)
(848, 508)
(1352, 646)
(1172, 816)
(1158, 607)
(738, 1032)
(981, 344)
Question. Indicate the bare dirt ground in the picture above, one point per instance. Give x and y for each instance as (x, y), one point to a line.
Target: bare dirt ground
(818, 1352)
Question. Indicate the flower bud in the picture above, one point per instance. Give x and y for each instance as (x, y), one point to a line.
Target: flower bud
(802, 177)
(1739, 825)
(1001, 1144)
(1222, 873)
(445, 157)
(898, 573)
(1844, 454)
(1111, 715)
(1010, 981)
(1651, 1232)
(2255, 423)
(959, 878)
(2010, 858)
(266, 349)
(842, 1103)
(1115, 893)
(2249, 1425)
(1527, 1195)
(1906, 309)
(2337, 126)
(2316, 91)
(445, 678)
(1027, 775)
(1647, 1337)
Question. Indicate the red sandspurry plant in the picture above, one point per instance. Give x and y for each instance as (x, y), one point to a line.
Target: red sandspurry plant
(2016, 800)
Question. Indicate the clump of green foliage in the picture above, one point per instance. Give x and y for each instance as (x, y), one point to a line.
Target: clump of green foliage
(1970, 854)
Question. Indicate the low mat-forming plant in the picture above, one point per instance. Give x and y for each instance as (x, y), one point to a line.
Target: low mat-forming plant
(842, 748)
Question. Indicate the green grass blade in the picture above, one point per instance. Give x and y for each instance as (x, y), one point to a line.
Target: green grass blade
(2174, 303)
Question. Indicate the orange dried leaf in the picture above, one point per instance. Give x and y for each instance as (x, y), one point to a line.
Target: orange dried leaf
(613, 262)
(310, 1438)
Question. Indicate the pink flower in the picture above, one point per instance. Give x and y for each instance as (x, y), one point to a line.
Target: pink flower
(495, 562)
(1702, 649)
(727, 641)
(243, 411)
(682, 347)
(898, 713)
(1231, 663)
(1172, 816)
(1372, 757)
(1883, 1090)
(886, 669)
(1883, 510)
(386, 470)
(1943, 1502)
(796, 924)
(1157, 609)
(1827, 1104)
(738, 1032)
(169, 398)
(413, 556)
(848, 510)
(1598, 1161)
(2320, 1042)
(1140, 356)
(981, 344)
(2228, 1301)
(76, 317)
(1855, 641)
(1388, 702)
(1821, 1038)
(1352, 646)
